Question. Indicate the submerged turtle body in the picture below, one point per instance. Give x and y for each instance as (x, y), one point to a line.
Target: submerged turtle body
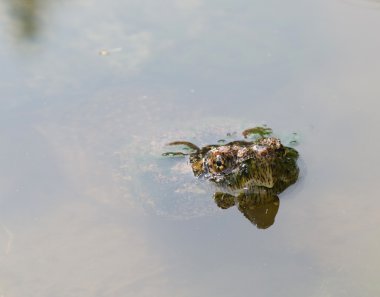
(249, 174)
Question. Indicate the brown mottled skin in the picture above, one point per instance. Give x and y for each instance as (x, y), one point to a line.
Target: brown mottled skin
(250, 173)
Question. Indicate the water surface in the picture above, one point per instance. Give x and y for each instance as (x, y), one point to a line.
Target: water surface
(90, 92)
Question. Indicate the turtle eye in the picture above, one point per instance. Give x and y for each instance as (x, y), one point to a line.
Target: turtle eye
(219, 163)
(216, 162)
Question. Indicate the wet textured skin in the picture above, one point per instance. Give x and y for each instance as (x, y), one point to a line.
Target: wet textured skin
(249, 174)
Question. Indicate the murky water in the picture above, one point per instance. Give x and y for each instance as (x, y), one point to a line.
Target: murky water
(90, 92)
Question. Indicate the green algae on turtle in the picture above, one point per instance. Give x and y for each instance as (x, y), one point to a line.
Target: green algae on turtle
(249, 174)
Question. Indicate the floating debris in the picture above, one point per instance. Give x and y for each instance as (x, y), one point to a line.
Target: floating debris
(293, 139)
(107, 52)
(174, 154)
(257, 131)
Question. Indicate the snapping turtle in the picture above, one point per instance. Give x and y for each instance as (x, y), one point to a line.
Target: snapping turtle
(248, 173)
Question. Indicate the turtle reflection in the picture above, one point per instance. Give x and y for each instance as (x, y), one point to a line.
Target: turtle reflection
(260, 213)
(249, 174)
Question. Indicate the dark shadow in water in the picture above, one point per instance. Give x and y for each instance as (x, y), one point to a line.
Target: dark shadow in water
(251, 174)
(26, 17)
